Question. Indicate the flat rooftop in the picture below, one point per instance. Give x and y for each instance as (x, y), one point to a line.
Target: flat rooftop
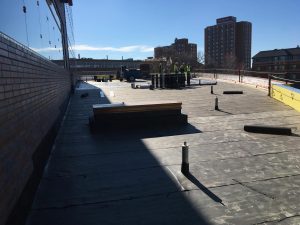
(133, 176)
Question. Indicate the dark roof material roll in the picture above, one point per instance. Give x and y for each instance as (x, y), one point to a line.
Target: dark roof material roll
(268, 129)
(232, 92)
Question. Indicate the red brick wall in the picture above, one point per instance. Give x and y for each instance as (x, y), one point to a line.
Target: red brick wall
(32, 91)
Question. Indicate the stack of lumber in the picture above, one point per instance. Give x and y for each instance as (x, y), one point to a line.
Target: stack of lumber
(138, 114)
(99, 109)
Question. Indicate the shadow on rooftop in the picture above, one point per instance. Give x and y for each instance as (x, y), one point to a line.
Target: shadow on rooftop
(111, 178)
(203, 188)
(223, 111)
(148, 132)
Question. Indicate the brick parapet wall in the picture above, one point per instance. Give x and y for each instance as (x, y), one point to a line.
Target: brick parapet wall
(33, 91)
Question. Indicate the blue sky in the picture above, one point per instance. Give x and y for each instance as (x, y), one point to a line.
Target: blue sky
(132, 28)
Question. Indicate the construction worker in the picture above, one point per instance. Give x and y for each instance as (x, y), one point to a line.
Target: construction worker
(161, 75)
(169, 64)
(188, 74)
(174, 78)
(176, 68)
(182, 68)
(160, 68)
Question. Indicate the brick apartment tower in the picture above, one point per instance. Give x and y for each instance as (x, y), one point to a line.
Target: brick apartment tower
(228, 44)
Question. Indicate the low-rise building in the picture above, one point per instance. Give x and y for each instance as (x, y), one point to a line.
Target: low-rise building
(96, 65)
(278, 61)
(180, 51)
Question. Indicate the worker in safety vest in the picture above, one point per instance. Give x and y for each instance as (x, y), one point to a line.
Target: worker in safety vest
(188, 74)
(175, 68)
(182, 68)
(160, 69)
(181, 78)
(161, 77)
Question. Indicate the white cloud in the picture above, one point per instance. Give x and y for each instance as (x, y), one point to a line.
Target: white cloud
(48, 49)
(131, 48)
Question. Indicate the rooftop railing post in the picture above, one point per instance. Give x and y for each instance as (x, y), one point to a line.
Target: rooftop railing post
(185, 159)
(269, 86)
(217, 104)
(152, 80)
(242, 75)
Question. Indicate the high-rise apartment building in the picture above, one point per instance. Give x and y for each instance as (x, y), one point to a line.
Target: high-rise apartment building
(228, 44)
